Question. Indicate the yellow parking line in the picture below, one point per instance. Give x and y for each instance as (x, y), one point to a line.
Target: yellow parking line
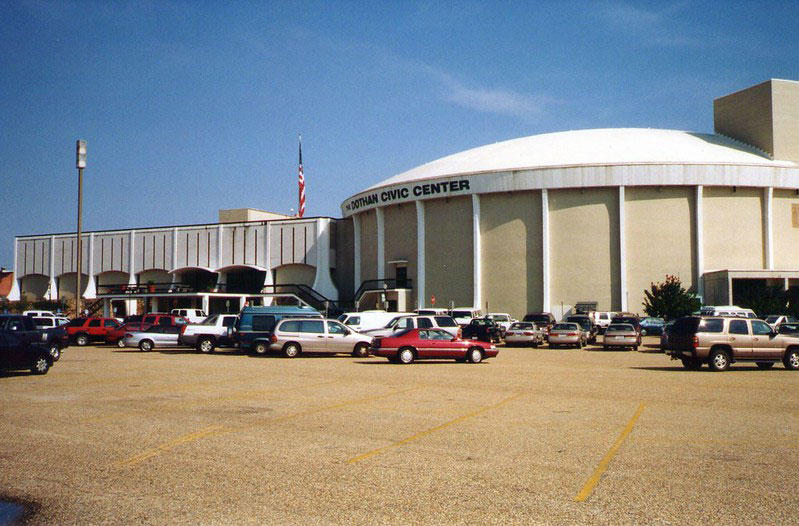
(221, 430)
(603, 464)
(421, 434)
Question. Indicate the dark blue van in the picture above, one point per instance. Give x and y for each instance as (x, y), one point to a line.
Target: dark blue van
(254, 327)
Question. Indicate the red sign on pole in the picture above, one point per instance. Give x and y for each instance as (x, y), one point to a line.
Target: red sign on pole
(432, 299)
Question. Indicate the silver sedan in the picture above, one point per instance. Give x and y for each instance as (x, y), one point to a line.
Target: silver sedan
(524, 333)
(155, 336)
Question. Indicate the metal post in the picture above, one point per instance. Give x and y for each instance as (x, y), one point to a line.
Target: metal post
(80, 165)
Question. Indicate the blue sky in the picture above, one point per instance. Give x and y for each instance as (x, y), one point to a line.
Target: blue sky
(189, 107)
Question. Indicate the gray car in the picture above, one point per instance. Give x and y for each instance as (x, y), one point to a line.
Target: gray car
(293, 336)
(155, 336)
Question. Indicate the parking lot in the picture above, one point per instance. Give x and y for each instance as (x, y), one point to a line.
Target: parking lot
(531, 436)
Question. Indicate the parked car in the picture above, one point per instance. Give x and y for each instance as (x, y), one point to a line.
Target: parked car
(164, 320)
(401, 323)
(503, 319)
(777, 319)
(213, 332)
(628, 317)
(620, 335)
(133, 318)
(542, 320)
(524, 333)
(46, 322)
(665, 336)
(483, 329)
(601, 320)
(721, 341)
(568, 334)
(190, 315)
(726, 310)
(114, 336)
(432, 312)
(39, 313)
(788, 328)
(369, 319)
(423, 344)
(253, 328)
(85, 330)
(16, 353)
(587, 324)
(463, 315)
(154, 336)
(652, 326)
(303, 335)
(55, 339)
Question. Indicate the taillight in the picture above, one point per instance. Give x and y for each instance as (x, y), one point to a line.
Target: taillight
(529, 333)
(182, 329)
(572, 334)
(696, 342)
(273, 339)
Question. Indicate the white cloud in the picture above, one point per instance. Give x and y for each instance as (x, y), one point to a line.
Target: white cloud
(652, 27)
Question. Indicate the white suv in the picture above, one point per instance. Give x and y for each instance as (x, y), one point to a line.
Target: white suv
(417, 322)
(191, 315)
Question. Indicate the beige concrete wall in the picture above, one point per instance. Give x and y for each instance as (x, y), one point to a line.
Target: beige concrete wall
(368, 246)
(659, 237)
(584, 247)
(449, 251)
(400, 230)
(733, 228)
(510, 227)
(746, 116)
(785, 234)
(785, 101)
(67, 285)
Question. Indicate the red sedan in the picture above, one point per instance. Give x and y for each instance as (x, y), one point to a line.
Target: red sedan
(421, 344)
(115, 336)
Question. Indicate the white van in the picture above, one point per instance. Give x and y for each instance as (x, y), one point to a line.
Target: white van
(432, 312)
(368, 319)
(601, 319)
(39, 313)
(191, 315)
(727, 310)
(463, 315)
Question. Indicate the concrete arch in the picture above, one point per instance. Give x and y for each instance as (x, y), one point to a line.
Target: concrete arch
(34, 286)
(67, 285)
(110, 279)
(295, 273)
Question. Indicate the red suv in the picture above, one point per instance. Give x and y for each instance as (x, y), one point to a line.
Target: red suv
(164, 320)
(85, 330)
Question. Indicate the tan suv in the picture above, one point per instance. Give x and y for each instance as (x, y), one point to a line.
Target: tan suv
(720, 341)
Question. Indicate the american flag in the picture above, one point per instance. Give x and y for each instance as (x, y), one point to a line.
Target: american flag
(302, 184)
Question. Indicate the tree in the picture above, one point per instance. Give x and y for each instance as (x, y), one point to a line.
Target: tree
(670, 300)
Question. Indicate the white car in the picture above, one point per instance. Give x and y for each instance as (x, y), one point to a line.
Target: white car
(39, 313)
(503, 319)
(191, 315)
(463, 315)
(417, 322)
(775, 320)
(369, 319)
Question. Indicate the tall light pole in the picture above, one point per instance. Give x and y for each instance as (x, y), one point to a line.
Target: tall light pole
(80, 164)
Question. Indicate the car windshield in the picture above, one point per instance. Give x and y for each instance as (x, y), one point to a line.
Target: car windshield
(538, 318)
(621, 327)
(565, 327)
(522, 326)
(393, 322)
(461, 314)
(772, 319)
(585, 323)
(210, 320)
(77, 322)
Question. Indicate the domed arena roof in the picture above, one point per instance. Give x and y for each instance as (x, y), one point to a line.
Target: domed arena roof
(614, 146)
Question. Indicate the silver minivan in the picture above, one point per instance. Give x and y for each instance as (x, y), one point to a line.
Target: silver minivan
(293, 336)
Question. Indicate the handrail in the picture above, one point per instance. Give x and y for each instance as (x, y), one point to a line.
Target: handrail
(390, 283)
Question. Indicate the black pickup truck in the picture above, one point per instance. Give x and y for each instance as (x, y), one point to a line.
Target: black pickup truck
(483, 329)
(24, 328)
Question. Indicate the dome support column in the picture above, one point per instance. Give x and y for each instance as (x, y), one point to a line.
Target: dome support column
(477, 299)
(622, 252)
(768, 226)
(381, 244)
(545, 250)
(420, 265)
(700, 252)
(356, 264)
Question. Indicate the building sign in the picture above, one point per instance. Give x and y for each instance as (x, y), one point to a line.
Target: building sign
(404, 193)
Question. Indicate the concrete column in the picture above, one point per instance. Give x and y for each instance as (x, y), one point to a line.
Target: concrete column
(768, 226)
(218, 247)
(268, 278)
(175, 249)
(53, 288)
(206, 304)
(477, 295)
(420, 265)
(107, 308)
(323, 282)
(356, 263)
(700, 240)
(545, 249)
(622, 251)
(91, 285)
(154, 304)
(131, 306)
(242, 301)
(14, 293)
(381, 244)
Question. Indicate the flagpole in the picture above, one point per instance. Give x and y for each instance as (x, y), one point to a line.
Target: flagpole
(301, 183)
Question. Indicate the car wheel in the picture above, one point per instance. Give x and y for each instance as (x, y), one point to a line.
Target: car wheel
(361, 350)
(692, 364)
(55, 351)
(643, 332)
(291, 350)
(260, 348)
(604, 347)
(719, 360)
(41, 365)
(475, 355)
(82, 340)
(764, 365)
(791, 359)
(405, 355)
(206, 345)
(635, 348)
(120, 343)
(146, 345)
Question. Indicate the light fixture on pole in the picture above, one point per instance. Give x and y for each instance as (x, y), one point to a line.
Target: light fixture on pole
(80, 164)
